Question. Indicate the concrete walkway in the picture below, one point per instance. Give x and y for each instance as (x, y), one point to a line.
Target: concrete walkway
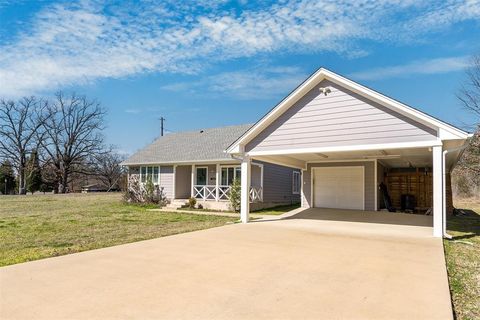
(206, 212)
(298, 268)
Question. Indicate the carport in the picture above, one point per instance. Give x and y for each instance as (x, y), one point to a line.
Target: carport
(349, 140)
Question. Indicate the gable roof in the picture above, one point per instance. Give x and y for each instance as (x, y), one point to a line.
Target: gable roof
(189, 146)
(446, 131)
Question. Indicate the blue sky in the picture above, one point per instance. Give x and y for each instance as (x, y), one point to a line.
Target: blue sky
(214, 63)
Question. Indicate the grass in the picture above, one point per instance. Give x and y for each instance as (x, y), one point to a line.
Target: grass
(278, 210)
(41, 226)
(463, 259)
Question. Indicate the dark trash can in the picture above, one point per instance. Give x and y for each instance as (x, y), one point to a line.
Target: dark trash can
(407, 202)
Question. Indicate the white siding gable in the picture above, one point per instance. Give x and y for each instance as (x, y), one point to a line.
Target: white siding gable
(342, 118)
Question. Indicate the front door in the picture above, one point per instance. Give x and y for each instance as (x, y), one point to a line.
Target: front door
(201, 176)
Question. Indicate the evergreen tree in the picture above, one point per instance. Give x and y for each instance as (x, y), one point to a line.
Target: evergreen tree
(235, 195)
(7, 176)
(34, 173)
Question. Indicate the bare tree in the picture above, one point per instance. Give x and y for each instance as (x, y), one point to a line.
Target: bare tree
(20, 126)
(468, 169)
(107, 168)
(469, 94)
(73, 127)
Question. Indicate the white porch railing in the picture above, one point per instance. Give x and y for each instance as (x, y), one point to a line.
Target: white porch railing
(256, 194)
(209, 192)
(205, 192)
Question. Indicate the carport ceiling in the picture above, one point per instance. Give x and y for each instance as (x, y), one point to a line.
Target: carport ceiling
(395, 158)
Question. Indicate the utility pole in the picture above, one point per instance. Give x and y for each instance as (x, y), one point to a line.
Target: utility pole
(162, 119)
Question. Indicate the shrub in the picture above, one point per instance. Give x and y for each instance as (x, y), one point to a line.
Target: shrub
(235, 195)
(192, 202)
(148, 194)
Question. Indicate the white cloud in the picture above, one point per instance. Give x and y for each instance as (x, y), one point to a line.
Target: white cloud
(433, 66)
(133, 111)
(70, 44)
(255, 83)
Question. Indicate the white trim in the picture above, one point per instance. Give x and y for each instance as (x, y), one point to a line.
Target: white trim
(399, 145)
(343, 160)
(302, 190)
(174, 186)
(217, 182)
(324, 74)
(146, 174)
(375, 186)
(159, 176)
(294, 172)
(234, 170)
(192, 181)
(284, 164)
(132, 164)
(312, 169)
(437, 187)
(261, 172)
(245, 190)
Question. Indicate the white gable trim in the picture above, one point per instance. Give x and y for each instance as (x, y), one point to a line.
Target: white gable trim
(445, 131)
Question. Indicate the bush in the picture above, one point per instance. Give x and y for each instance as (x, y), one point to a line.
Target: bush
(148, 194)
(192, 202)
(235, 195)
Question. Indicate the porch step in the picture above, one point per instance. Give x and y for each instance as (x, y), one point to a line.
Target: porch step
(177, 203)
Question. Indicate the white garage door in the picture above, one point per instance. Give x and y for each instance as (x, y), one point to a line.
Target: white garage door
(339, 187)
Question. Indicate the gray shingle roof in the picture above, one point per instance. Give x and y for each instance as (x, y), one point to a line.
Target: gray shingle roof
(199, 145)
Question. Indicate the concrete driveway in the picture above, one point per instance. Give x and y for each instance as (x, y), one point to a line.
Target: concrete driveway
(304, 267)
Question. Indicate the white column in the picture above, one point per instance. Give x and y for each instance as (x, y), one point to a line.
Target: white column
(193, 180)
(174, 181)
(437, 191)
(217, 182)
(245, 192)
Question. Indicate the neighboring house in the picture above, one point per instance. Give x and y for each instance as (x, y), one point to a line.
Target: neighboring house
(96, 187)
(344, 138)
(195, 164)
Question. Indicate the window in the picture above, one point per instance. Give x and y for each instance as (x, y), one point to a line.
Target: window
(149, 172)
(202, 176)
(296, 182)
(228, 174)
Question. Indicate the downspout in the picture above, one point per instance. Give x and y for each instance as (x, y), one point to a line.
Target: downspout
(444, 189)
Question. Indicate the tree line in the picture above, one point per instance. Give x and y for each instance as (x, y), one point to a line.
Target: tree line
(45, 143)
(467, 172)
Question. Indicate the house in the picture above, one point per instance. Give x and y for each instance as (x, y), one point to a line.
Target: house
(195, 164)
(95, 187)
(332, 140)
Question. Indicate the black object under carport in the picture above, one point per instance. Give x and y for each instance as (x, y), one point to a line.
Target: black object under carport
(386, 198)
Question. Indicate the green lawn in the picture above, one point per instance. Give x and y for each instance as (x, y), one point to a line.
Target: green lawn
(277, 210)
(40, 226)
(463, 259)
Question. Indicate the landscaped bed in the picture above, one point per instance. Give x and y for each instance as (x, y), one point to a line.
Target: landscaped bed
(463, 259)
(40, 226)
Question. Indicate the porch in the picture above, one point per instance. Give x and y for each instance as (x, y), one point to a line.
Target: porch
(213, 182)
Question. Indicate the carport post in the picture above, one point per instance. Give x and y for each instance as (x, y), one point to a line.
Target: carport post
(437, 191)
(245, 191)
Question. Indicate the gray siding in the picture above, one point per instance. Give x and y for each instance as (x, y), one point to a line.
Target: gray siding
(277, 184)
(369, 167)
(166, 180)
(342, 118)
(212, 174)
(183, 182)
